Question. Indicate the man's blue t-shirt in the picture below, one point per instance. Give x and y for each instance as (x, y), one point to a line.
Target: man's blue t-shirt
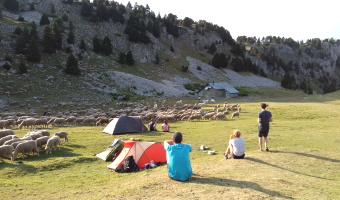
(179, 166)
(265, 116)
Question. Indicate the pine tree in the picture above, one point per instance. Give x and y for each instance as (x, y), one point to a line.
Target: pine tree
(129, 58)
(22, 67)
(97, 47)
(70, 37)
(121, 59)
(157, 59)
(20, 45)
(18, 31)
(82, 45)
(33, 51)
(72, 66)
(44, 20)
(57, 34)
(212, 48)
(107, 46)
(49, 41)
(34, 32)
(172, 49)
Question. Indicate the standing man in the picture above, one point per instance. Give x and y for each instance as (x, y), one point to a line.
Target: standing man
(179, 166)
(264, 117)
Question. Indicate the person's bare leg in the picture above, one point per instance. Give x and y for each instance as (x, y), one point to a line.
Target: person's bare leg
(266, 143)
(260, 143)
(227, 152)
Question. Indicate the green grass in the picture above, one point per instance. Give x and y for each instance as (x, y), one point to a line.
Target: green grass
(303, 162)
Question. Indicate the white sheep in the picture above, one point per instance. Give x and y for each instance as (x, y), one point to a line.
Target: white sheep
(25, 147)
(44, 132)
(89, 121)
(41, 122)
(34, 135)
(62, 134)
(27, 123)
(42, 141)
(3, 124)
(179, 102)
(52, 143)
(6, 150)
(212, 100)
(6, 132)
(6, 138)
(235, 114)
(201, 104)
(9, 142)
(58, 121)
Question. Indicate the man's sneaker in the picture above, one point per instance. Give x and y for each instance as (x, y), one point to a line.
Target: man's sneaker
(225, 156)
(267, 149)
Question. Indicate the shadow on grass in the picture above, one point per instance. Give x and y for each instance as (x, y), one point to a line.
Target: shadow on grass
(237, 184)
(311, 156)
(279, 167)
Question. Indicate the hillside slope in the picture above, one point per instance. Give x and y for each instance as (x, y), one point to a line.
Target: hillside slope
(45, 85)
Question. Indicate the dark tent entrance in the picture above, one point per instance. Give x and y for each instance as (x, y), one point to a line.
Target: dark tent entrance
(125, 124)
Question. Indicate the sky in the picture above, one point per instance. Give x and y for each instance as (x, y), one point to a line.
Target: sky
(298, 19)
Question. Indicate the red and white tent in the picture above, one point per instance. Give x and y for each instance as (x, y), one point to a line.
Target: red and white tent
(143, 152)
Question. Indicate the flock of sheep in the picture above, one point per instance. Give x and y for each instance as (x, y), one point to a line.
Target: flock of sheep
(97, 117)
(11, 145)
(32, 142)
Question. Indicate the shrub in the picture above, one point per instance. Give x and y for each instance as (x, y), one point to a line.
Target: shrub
(21, 19)
(6, 66)
(22, 68)
(184, 68)
(193, 86)
(72, 66)
(44, 20)
(64, 18)
(17, 31)
(8, 58)
(243, 91)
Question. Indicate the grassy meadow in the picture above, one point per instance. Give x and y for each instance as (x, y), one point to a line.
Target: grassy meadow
(303, 162)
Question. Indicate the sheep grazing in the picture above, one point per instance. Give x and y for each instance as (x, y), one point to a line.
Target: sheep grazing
(6, 132)
(52, 143)
(15, 144)
(58, 121)
(27, 123)
(102, 121)
(235, 114)
(41, 122)
(9, 142)
(44, 132)
(62, 134)
(89, 121)
(42, 141)
(179, 102)
(34, 135)
(6, 138)
(25, 147)
(219, 116)
(70, 119)
(3, 124)
(6, 150)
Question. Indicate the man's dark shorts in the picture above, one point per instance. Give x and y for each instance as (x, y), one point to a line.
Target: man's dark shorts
(263, 131)
(237, 157)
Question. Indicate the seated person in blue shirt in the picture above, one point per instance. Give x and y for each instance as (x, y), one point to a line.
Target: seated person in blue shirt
(179, 166)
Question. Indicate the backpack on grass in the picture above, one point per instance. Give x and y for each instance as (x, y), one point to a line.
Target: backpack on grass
(130, 165)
